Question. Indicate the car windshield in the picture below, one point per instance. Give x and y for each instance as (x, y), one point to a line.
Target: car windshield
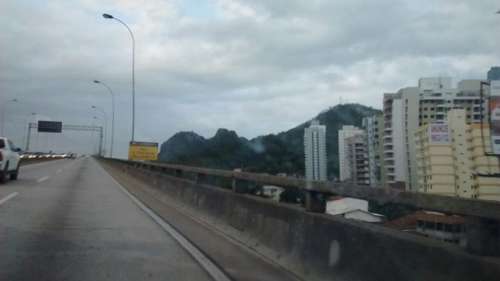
(2, 143)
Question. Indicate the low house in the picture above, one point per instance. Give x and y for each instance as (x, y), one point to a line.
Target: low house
(352, 208)
(271, 191)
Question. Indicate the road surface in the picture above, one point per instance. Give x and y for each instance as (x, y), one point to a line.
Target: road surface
(69, 220)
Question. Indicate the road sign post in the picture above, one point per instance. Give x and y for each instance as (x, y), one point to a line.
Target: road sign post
(53, 128)
(49, 126)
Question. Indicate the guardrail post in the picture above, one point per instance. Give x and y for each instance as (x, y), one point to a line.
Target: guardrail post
(315, 202)
(240, 186)
(483, 236)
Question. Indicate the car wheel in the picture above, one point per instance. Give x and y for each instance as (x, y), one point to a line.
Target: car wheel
(13, 176)
(3, 174)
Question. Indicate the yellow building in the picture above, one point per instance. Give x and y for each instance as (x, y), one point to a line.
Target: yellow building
(451, 159)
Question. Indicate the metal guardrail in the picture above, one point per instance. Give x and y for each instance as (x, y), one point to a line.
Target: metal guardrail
(317, 191)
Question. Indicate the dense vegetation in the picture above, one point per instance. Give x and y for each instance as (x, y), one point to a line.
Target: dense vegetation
(280, 153)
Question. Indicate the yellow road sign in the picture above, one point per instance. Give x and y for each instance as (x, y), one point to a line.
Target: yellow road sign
(143, 151)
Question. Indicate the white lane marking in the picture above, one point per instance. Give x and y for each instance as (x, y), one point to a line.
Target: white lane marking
(59, 171)
(42, 179)
(215, 272)
(8, 197)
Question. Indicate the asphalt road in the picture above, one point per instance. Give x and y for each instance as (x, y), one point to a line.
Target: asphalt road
(69, 220)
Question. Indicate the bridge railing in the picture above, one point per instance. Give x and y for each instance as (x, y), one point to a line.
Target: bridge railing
(483, 217)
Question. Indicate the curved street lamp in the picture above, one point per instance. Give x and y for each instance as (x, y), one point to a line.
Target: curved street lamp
(108, 16)
(112, 113)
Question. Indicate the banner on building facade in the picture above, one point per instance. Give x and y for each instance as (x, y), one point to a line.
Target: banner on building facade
(439, 134)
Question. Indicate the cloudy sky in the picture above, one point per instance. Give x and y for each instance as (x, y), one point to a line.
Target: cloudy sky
(254, 66)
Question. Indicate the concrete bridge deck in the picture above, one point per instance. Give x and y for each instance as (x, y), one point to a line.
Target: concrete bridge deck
(316, 246)
(89, 219)
(70, 220)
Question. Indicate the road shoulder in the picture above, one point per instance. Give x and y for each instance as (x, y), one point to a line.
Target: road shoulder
(238, 261)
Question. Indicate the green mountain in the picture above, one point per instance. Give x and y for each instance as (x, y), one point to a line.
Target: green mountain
(274, 153)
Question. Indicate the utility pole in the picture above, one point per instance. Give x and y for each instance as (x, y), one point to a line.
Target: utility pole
(100, 141)
(28, 138)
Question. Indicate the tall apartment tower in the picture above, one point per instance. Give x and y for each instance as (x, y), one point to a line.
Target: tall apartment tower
(373, 127)
(394, 156)
(346, 132)
(453, 160)
(410, 108)
(357, 159)
(315, 152)
(494, 73)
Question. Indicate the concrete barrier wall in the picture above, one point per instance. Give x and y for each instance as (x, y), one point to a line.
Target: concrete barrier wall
(322, 247)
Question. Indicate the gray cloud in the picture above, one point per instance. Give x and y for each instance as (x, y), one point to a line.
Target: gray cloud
(253, 66)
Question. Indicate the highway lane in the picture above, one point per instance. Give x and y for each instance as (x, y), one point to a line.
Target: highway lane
(29, 174)
(69, 220)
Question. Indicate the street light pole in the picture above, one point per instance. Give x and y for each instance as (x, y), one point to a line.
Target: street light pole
(3, 115)
(105, 122)
(28, 133)
(100, 136)
(112, 113)
(108, 16)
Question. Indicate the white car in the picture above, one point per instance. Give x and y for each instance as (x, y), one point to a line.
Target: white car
(9, 160)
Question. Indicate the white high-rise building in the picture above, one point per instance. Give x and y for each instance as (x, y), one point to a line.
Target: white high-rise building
(394, 152)
(347, 131)
(412, 107)
(315, 151)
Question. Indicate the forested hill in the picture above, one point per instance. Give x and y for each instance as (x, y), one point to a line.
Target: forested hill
(274, 153)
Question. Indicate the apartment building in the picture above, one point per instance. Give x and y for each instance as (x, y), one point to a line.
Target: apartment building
(357, 159)
(452, 158)
(433, 104)
(373, 127)
(393, 146)
(412, 107)
(315, 152)
(494, 73)
(346, 132)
